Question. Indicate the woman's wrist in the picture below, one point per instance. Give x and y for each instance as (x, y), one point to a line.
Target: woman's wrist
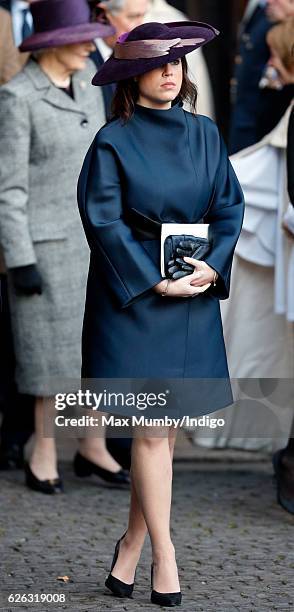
(162, 287)
(165, 290)
(215, 277)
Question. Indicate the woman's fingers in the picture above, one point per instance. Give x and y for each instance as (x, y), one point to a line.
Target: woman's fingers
(201, 289)
(193, 262)
(286, 76)
(184, 266)
(202, 274)
(199, 282)
(181, 287)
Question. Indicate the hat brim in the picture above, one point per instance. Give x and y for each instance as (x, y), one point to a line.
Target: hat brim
(115, 70)
(66, 36)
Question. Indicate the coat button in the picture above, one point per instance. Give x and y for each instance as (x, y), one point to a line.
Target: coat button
(84, 123)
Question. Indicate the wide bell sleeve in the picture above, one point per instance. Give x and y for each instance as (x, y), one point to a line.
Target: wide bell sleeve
(129, 269)
(225, 217)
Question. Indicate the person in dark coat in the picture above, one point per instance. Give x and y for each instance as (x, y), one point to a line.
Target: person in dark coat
(170, 166)
(255, 111)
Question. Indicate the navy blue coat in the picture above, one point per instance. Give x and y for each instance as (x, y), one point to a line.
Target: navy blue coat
(107, 90)
(172, 166)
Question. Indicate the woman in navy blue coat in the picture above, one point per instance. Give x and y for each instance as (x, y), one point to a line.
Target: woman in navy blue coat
(155, 163)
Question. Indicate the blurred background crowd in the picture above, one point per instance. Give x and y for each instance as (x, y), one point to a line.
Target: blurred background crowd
(49, 114)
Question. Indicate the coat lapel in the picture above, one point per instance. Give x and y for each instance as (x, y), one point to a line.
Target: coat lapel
(81, 84)
(53, 95)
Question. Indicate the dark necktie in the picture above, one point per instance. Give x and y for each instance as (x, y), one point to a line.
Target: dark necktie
(26, 28)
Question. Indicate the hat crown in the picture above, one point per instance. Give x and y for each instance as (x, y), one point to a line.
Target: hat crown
(150, 31)
(54, 14)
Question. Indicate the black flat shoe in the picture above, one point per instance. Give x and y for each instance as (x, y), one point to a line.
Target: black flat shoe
(286, 503)
(49, 487)
(83, 467)
(118, 587)
(164, 599)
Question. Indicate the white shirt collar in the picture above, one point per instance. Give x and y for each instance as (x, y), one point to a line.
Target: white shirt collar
(251, 7)
(17, 7)
(104, 49)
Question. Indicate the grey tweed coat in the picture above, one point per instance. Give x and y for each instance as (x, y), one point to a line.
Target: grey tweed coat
(44, 137)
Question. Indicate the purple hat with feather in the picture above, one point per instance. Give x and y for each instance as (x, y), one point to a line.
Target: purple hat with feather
(151, 45)
(62, 22)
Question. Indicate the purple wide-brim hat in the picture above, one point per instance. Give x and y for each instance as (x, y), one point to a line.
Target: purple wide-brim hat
(62, 22)
(152, 45)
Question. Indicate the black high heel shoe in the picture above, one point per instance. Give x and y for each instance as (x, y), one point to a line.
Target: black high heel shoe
(164, 599)
(83, 467)
(50, 487)
(118, 587)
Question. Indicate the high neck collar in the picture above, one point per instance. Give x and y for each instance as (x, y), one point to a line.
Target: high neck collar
(173, 112)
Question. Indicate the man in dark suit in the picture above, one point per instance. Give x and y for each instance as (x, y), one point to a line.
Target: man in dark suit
(22, 21)
(124, 15)
(255, 111)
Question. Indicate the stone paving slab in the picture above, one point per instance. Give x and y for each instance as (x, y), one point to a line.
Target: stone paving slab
(185, 450)
(233, 542)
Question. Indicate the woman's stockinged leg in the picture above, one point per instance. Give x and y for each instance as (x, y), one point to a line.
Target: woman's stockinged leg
(131, 546)
(43, 461)
(94, 448)
(150, 506)
(152, 471)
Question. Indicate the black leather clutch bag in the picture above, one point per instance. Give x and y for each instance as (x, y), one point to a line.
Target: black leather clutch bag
(179, 246)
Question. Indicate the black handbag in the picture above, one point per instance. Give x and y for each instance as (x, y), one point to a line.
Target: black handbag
(178, 246)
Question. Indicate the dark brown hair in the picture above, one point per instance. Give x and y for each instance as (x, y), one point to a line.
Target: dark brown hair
(127, 93)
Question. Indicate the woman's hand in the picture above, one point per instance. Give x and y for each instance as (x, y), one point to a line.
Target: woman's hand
(287, 231)
(288, 222)
(202, 274)
(286, 76)
(191, 285)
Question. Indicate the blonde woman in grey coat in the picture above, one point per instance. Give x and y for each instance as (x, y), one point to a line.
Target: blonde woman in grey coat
(49, 114)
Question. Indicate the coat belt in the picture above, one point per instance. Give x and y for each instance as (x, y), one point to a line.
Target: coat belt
(143, 227)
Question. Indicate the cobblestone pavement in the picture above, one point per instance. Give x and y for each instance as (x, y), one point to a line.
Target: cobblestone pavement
(234, 543)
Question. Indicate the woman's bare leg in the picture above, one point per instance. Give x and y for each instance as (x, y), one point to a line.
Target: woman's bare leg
(43, 461)
(131, 545)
